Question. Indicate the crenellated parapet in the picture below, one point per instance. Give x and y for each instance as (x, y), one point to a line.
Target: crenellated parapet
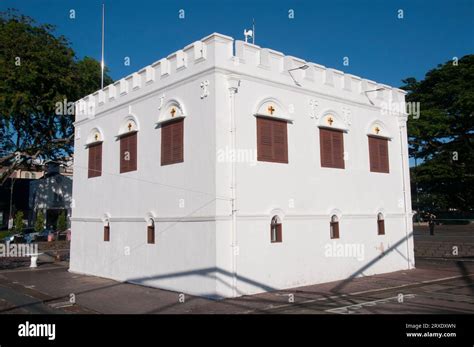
(222, 52)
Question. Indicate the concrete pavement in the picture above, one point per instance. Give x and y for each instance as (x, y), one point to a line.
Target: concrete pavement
(435, 286)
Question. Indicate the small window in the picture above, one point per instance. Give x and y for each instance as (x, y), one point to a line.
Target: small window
(107, 232)
(151, 233)
(272, 140)
(95, 160)
(172, 142)
(378, 154)
(334, 227)
(128, 152)
(380, 224)
(331, 144)
(275, 230)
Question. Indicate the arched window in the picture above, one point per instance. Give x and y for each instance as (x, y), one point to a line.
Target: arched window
(106, 231)
(334, 227)
(128, 144)
(151, 232)
(275, 230)
(380, 224)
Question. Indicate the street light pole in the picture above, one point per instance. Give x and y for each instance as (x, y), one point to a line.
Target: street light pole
(10, 218)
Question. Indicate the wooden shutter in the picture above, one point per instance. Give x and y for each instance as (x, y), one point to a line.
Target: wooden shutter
(106, 233)
(378, 154)
(128, 143)
(383, 155)
(325, 145)
(178, 141)
(338, 149)
(264, 139)
(381, 227)
(151, 234)
(172, 142)
(280, 141)
(331, 144)
(279, 236)
(374, 154)
(272, 140)
(95, 160)
(334, 226)
(276, 230)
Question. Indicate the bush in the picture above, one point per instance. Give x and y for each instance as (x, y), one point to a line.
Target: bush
(62, 222)
(18, 223)
(39, 222)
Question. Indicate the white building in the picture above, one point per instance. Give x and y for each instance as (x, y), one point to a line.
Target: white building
(299, 204)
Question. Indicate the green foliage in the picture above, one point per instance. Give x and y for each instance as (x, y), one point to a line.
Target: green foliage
(38, 69)
(442, 138)
(39, 222)
(62, 222)
(18, 223)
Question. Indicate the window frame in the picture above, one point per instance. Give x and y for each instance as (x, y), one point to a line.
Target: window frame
(334, 227)
(276, 232)
(380, 224)
(95, 151)
(278, 155)
(377, 162)
(334, 160)
(151, 233)
(107, 232)
(172, 128)
(125, 140)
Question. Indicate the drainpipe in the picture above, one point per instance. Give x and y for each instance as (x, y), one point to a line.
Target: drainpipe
(402, 128)
(234, 84)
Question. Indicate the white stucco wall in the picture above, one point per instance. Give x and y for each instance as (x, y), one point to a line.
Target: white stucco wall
(198, 251)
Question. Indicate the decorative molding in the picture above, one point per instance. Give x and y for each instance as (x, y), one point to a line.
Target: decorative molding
(243, 217)
(346, 111)
(313, 104)
(204, 89)
(162, 100)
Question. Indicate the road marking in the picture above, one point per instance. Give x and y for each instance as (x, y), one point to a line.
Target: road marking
(50, 267)
(345, 309)
(340, 296)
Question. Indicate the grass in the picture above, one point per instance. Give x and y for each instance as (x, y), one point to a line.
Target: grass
(6, 233)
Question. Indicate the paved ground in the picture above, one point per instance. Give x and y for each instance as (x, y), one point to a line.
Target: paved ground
(436, 286)
(462, 233)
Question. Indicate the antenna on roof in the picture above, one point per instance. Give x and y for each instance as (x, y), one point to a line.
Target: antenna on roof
(102, 63)
(250, 33)
(247, 34)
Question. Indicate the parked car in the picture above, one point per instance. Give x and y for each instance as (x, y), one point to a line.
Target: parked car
(29, 235)
(43, 235)
(9, 238)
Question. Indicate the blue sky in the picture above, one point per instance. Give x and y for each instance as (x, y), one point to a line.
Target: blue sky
(380, 46)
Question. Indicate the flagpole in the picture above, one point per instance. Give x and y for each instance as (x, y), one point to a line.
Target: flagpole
(253, 31)
(102, 64)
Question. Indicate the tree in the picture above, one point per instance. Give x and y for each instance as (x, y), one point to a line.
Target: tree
(441, 139)
(38, 72)
(39, 222)
(62, 222)
(18, 223)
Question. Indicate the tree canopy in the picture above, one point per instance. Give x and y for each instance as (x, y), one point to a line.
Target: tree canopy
(38, 69)
(441, 139)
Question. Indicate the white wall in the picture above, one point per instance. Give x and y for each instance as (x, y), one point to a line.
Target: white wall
(198, 236)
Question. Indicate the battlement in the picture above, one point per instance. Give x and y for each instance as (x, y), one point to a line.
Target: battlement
(220, 51)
